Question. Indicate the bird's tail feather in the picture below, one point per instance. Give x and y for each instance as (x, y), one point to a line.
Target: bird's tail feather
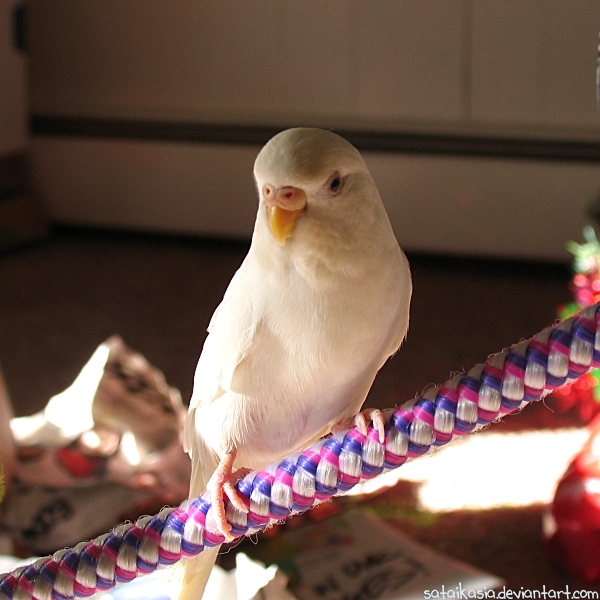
(191, 575)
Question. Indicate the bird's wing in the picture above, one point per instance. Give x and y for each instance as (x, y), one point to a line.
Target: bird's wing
(231, 336)
(397, 305)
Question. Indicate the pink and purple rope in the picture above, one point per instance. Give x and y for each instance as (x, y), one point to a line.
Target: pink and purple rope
(506, 382)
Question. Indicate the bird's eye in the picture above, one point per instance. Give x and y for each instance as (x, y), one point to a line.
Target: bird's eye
(335, 185)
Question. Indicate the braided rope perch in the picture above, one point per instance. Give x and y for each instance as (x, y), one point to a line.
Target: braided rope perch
(505, 383)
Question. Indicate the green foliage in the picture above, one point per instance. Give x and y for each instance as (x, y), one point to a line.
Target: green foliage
(586, 256)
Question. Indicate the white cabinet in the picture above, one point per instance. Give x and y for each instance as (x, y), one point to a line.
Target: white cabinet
(430, 65)
(533, 62)
(409, 58)
(259, 60)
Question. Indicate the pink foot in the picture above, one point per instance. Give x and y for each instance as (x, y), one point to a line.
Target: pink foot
(360, 422)
(222, 482)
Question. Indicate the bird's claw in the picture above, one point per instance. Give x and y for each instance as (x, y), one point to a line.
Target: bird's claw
(222, 483)
(376, 417)
(361, 420)
(231, 492)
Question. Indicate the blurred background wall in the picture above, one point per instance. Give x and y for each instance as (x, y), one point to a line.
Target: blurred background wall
(13, 84)
(477, 118)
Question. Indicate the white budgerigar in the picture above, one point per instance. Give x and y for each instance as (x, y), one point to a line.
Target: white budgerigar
(316, 308)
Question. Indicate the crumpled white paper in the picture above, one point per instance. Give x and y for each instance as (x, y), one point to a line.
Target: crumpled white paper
(248, 581)
(105, 449)
(68, 414)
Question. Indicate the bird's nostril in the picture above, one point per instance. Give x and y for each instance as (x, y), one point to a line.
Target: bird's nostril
(287, 197)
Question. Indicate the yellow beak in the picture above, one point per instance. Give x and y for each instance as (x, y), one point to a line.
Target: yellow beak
(283, 222)
(284, 206)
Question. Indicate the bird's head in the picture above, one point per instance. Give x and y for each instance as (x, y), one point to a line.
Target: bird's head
(309, 175)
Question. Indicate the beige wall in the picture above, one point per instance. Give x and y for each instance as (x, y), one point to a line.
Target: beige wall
(488, 207)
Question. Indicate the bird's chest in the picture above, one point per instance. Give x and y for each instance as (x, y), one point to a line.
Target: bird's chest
(311, 353)
(314, 348)
(326, 330)
(321, 308)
